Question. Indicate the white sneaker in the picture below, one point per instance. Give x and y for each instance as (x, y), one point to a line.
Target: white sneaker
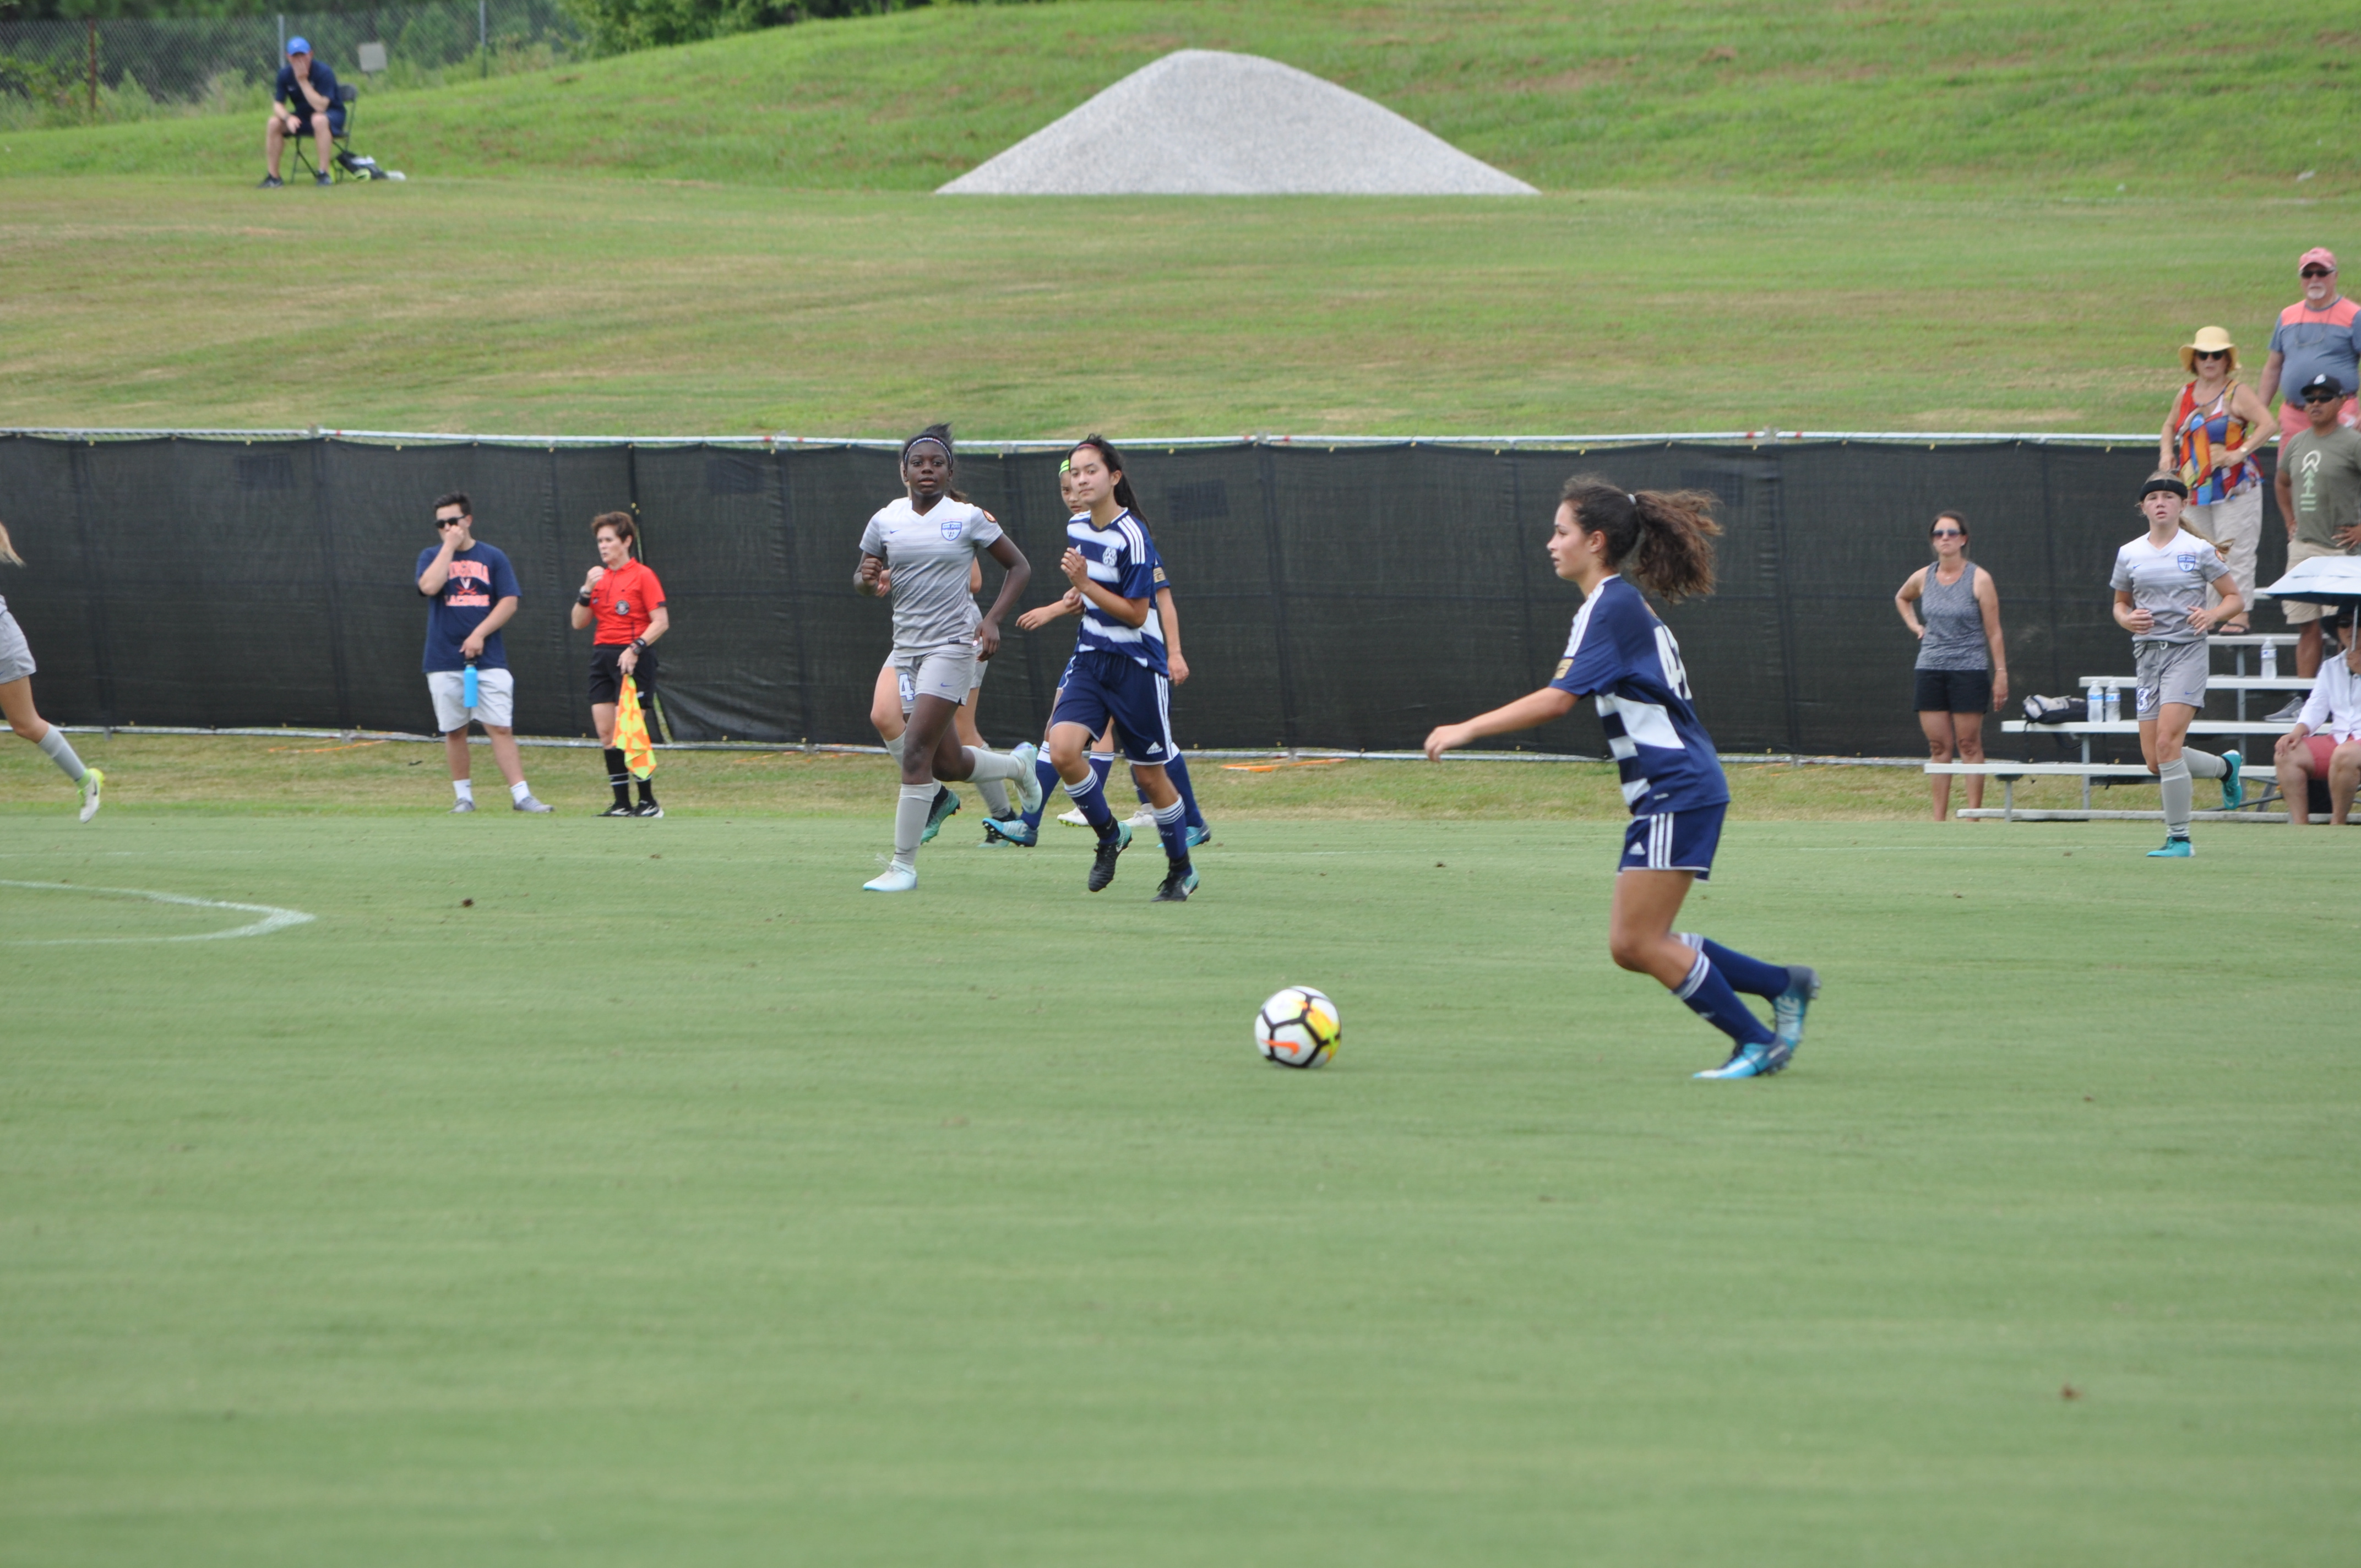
(1029, 784)
(1074, 819)
(531, 805)
(92, 780)
(1144, 817)
(894, 878)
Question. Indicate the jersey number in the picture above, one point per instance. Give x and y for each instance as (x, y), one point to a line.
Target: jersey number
(1668, 654)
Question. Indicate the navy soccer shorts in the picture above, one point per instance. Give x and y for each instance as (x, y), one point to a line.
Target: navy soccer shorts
(1102, 687)
(1674, 841)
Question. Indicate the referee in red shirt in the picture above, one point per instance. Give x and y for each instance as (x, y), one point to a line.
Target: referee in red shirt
(628, 604)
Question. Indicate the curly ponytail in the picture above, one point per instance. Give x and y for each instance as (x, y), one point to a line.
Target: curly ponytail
(1666, 536)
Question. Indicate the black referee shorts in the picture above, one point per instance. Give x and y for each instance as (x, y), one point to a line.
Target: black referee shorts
(607, 680)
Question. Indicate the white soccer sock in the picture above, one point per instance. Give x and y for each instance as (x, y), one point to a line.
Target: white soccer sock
(991, 764)
(2204, 765)
(910, 814)
(995, 798)
(520, 790)
(464, 789)
(53, 746)
(2174, 781)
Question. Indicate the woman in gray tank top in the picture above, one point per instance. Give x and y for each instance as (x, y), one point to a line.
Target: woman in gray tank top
(1963, 661)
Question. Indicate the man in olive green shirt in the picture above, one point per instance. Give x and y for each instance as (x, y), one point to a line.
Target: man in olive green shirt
(2319, 487)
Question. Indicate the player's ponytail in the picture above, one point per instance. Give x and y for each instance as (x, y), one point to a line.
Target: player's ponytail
(1114, 461)
(7, 551)
(1665, 536)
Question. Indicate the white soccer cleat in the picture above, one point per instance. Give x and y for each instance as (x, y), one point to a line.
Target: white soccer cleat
(1144, 817)
(1074, 819)
(894, 878)
(92, 780)
(1029, 784)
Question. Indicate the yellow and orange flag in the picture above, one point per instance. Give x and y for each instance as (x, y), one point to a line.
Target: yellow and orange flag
(632, 732)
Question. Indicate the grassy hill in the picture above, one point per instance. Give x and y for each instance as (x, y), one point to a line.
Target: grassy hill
(2070, 95)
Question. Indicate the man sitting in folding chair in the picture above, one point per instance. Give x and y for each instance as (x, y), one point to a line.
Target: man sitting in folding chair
(306, 98)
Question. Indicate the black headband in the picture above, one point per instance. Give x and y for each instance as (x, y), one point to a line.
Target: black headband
(2164, 482)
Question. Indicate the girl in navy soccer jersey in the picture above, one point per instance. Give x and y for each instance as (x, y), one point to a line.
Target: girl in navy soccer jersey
(1118, 677)
(1625, 659)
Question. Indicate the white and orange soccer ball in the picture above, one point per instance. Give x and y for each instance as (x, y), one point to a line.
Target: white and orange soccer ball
(1298, 1028)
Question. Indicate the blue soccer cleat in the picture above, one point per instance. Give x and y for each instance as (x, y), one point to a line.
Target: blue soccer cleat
(2175, 849)
(1787, 1009)
(1198, 836)
(1753, 1061)
(2234, 794)
(1014, 831)
(946, 805)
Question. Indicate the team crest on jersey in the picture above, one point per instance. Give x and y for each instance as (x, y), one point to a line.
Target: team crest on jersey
(2186, 560)
(950, 528)
(622, 607)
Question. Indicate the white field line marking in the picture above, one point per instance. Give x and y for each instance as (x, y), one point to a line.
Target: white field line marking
(273, 917)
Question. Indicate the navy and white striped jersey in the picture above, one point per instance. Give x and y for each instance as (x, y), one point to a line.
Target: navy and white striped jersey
(1624, 659)
(1123, 561)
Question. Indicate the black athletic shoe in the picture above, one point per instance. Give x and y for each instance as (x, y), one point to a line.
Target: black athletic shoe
(270, 182)
(322, 177)
(620, 808)
(647, 808)
(1109, 846)
(1178, 885)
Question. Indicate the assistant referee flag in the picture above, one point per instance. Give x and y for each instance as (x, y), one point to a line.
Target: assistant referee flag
(632, 732)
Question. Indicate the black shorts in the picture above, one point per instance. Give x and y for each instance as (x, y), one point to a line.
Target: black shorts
(306, 116)
(1954, 691)
(607, 681)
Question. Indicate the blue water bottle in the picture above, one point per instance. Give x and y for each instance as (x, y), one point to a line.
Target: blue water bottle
(469, 694)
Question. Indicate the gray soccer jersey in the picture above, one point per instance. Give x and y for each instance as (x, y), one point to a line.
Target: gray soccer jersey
(930, 555)
(2167, 583)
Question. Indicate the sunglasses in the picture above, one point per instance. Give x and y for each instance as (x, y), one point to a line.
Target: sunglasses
(442, 522)
(2324, 397)
(2318, 273)
(2212, 354)
(1948, 533)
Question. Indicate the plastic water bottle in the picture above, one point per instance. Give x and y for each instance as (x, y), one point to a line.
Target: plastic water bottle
(2270, 660)
(2111, 709)
(469, 696)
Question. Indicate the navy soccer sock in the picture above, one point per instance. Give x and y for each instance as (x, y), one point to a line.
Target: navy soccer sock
(1101, 764)
(1090, 799)
(1710, 997)
(1751, 975)
(1045, 775)
(1177, 769)
(1172, 827)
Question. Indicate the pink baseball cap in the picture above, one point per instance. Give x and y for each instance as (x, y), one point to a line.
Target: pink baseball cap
(2319, 253)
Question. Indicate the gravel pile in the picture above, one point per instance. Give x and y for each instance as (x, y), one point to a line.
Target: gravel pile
(1205, 123)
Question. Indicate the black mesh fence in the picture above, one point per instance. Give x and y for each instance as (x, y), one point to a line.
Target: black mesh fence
(1350, 598)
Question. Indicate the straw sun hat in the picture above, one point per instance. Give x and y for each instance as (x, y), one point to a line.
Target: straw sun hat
(2210, 340)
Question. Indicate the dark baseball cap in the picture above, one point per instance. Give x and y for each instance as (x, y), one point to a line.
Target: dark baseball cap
(2322, 388)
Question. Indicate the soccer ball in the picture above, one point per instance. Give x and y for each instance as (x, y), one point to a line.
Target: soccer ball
(1298, 1028)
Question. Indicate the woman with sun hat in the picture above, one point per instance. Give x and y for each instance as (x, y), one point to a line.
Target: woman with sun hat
(2216, 426)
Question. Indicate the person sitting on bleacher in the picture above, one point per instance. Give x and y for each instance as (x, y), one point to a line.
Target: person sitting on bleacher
(305, 99)
(2326, 741)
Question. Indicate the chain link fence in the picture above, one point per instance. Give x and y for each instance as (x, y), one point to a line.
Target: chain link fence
(85, 70)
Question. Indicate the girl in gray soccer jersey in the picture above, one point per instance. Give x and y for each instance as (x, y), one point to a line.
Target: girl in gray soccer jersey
(2159, 581)
(16, 700)
(930, 542)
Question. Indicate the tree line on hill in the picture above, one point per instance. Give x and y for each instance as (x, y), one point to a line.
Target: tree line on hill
(615, 25)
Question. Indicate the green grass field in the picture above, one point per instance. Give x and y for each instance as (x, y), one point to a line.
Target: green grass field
(615, 307)
(1885, 216)
(582, 1191)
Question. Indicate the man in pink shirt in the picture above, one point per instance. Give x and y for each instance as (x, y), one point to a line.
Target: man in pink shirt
(2320, 335)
